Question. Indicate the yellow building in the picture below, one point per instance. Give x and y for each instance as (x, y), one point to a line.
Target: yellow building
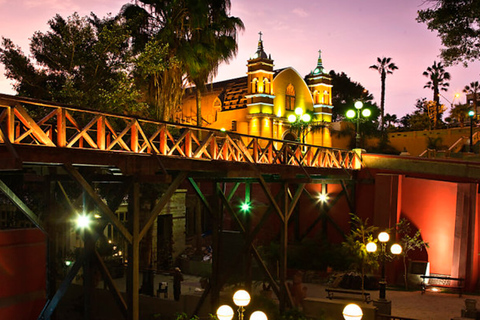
(268, 103)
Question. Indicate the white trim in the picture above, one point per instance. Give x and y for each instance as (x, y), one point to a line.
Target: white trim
(259, 103)
(253, 95)
(258, 71)
(322, 106)
(321, 84)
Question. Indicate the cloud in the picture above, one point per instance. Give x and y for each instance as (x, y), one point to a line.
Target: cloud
(300, 12)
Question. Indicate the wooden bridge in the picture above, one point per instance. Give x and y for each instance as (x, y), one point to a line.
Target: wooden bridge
(73, 160)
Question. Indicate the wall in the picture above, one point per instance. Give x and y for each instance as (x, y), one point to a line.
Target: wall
(22, 273)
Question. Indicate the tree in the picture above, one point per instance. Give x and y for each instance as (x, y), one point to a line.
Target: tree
(199, 34)
(391, 120)
(457, 23)
(409, 242)
(460, 113)
(419, 119)
(384, 66)
(80, 61)
(473, 89)
(355, 244)
(438, 80)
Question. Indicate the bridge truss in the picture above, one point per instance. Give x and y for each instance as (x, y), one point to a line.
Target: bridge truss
(82, 159)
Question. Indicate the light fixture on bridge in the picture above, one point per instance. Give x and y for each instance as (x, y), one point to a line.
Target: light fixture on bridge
(83, 221)
(323, 197)
(246, 206)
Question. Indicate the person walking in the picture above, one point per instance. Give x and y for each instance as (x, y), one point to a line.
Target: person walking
(177, 283)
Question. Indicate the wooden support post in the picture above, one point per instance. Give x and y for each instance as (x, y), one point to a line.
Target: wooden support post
(283, 253)
(216, 245)
(133, 272)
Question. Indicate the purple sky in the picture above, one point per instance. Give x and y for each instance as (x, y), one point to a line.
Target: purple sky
(350, 33)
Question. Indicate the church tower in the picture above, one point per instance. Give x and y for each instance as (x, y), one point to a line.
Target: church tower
(260, 93)
(320, 85)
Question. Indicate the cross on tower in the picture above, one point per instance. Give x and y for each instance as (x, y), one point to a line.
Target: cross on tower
(260, 33)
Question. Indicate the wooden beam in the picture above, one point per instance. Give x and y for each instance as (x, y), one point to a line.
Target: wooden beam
(98, 201)
(22, 206)
(162, 202)
(133, 276)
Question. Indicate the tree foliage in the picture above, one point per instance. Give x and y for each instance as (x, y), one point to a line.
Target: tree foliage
(458, 25)
(409, 242)
(438, 81)
(79, 60)
(199, 36)
(355, 245)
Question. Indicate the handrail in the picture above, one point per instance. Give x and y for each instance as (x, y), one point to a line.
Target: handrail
(32, 122)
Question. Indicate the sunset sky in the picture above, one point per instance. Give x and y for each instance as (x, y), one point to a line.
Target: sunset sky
(350, 33)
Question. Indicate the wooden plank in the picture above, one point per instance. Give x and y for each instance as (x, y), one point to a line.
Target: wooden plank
(37, 132)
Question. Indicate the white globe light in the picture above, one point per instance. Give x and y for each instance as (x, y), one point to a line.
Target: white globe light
(292, 118)
(258, 315)
(366, 113)
(225, 312)
(241, 298)
(351, 114)
(383, 237)
(358, 105)
(352, 312)
(396, 248)
(306, 117)
(371, 247)
(298, 111)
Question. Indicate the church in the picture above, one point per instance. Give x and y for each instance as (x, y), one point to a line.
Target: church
(277, 104)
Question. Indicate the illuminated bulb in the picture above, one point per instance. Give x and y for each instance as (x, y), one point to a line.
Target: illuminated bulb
(366, 113)
(358, 105)
(241, 298)
(306, 117)
(352, 312)
(258, 315)
(83, 221)
(299, 111)
(246, 206)
(351, 114)
(292, 118)
(396, 248)
(371, 247)
(383, 237)
(224, 312)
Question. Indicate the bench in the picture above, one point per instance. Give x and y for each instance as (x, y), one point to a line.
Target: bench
(444, 282)
(331, 291)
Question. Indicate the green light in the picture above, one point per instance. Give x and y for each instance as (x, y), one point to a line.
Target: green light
(246, 207)
(351, 114)
(366, 113)
(223, 129)
(471, 113)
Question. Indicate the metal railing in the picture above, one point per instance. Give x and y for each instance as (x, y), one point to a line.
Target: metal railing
(30, 122)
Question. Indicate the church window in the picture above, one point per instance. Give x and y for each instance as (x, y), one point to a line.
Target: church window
(255, 85)
(217, 107)
(316, 97)
(266, 86)
(290, 98)
(326, 97)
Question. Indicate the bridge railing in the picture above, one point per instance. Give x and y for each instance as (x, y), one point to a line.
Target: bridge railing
(30, 122)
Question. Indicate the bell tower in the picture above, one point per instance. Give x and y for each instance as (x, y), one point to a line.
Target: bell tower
(260, 93)
(320, 84)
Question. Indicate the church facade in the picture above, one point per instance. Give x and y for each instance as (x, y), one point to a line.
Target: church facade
(277, 104)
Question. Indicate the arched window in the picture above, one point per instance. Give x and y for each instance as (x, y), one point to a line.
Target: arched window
(316, 97)
(217, 107)
(290, 98)
(326, 97)
(266, 86)
(255, 85)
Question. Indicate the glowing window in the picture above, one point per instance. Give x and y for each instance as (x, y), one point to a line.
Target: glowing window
(266, 85)
(255, 85)
(290, 98)
(234, 125)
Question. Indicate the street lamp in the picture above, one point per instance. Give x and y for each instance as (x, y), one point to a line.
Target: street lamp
(471, 113)
(300, 120)
(396, 249)
(352, 312)
(352, 114)
(241, 298)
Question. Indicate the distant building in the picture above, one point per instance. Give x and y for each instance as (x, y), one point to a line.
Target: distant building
(260, 103)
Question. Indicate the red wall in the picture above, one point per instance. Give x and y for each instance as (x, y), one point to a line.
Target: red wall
(431, 206)
(22, 273)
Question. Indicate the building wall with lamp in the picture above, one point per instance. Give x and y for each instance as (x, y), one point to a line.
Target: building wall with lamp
(260, 103)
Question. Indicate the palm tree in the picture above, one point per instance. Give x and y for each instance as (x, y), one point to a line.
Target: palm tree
(199, 36)
(391, 119)
(384, 66)
(438, 81)
(214, 41)
(473, 89)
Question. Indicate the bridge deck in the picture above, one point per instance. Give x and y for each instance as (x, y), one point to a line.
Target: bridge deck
(65, 130)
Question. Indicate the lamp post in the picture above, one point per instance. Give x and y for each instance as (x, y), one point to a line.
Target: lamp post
(471, 113)
(395, 249)
(300, 120)
(241, 298)
(356, 113)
